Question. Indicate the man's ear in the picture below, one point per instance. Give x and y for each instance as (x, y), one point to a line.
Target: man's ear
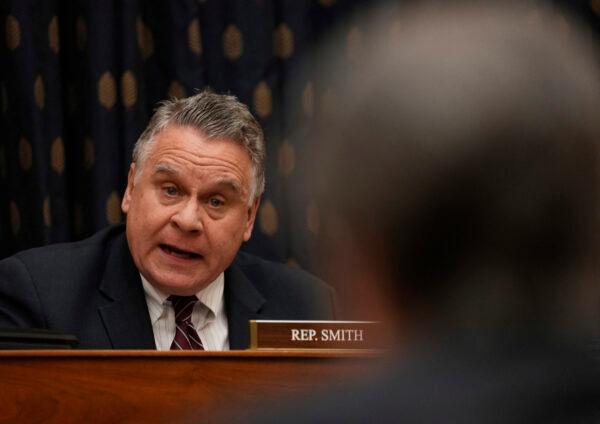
(251, 218)
(128, 189)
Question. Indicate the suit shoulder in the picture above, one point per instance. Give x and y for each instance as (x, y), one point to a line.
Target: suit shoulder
(67, 255)
(278, 273)
(289, 293)
(99, 239)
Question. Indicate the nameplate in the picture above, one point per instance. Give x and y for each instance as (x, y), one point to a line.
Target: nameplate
(274, 334)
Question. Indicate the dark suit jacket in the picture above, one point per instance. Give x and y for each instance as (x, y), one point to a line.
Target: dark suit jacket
(93, 290)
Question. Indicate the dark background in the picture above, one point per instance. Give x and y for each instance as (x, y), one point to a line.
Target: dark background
(80, 79)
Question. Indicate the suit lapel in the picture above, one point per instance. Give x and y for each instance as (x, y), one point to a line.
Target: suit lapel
(243, 303)
(125, 313)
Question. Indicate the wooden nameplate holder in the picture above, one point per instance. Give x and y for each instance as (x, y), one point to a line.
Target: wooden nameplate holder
(276, 334)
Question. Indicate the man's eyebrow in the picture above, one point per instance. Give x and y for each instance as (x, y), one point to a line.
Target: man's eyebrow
(165, 168)
(228, 182)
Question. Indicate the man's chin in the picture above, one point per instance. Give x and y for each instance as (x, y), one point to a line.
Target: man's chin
(179, 286)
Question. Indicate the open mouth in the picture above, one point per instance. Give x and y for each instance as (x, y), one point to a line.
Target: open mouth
(178, 253)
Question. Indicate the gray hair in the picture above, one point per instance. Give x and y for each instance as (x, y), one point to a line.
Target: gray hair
(216, 116)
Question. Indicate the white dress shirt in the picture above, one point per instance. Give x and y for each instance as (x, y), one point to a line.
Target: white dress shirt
(209, 317)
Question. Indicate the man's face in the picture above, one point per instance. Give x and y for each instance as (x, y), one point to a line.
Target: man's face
(188, 209)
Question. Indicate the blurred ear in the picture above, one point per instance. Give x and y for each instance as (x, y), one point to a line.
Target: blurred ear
(129, 189)
(252, 209)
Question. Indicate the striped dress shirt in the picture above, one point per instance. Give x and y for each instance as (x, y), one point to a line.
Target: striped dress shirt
(209, 317)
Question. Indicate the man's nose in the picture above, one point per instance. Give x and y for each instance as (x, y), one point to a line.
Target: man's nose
(188, 217)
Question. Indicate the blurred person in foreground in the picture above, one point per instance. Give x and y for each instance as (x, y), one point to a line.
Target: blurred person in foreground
(459, 174)
(172, 277)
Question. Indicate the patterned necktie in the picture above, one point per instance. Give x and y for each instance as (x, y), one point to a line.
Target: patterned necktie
(186, 337)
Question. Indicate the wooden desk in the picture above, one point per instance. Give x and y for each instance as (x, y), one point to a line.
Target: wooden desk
(150, 386)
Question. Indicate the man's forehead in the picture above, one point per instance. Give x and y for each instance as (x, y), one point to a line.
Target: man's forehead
(183, 150)
(189, 138)
(198, 151)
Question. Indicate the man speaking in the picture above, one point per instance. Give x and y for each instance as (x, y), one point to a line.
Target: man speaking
(172, 277)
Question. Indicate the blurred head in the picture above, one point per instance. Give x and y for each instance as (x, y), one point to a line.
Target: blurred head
(193, 190)
(459, 171)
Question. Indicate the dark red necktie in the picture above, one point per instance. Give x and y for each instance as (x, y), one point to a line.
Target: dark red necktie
(186, 337)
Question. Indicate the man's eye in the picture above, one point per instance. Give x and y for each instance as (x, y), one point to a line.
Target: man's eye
(170, 191)
(215, 202)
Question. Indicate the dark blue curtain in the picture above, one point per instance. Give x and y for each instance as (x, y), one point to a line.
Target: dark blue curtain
(80, 79)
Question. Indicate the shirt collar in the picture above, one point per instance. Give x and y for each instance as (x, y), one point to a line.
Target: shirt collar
(210, 296)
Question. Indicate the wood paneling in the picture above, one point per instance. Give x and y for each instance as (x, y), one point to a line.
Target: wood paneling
(149, 386)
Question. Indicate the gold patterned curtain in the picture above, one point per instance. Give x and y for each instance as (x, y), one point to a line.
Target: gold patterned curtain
(79, 80)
